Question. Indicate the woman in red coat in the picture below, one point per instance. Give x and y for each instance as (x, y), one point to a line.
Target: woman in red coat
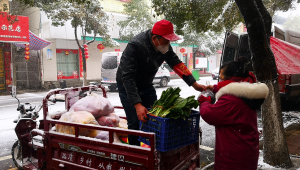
(234, 117)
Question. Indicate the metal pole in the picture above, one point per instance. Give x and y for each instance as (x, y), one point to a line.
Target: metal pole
(11, 66)
(39, 68)
(194, 57)
(11, 54)
(27, 75)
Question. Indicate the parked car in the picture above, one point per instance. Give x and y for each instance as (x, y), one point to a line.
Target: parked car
(289, 81)
(215, 73)
(162, 77)
(110, 63)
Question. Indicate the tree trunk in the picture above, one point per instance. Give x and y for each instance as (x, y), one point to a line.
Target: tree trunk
(82, 51)
(83, 55)
(267, 19)
(275, 148)
(84, 64)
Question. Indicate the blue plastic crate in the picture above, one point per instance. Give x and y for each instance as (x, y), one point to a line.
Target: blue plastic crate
(172, 133)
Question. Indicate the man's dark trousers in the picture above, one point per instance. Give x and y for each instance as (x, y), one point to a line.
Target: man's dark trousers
(148, 97)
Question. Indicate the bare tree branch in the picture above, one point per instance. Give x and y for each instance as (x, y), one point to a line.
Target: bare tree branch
(95, 33)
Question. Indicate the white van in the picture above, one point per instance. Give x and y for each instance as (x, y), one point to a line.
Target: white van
(110, 63)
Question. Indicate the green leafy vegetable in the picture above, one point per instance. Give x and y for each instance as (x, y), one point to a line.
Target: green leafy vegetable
(171, 105)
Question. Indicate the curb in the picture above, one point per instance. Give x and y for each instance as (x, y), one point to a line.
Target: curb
(208, 166)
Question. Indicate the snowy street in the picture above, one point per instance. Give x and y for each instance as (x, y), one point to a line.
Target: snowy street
(8, 113)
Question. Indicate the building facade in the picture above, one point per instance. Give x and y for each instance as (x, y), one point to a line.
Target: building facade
(62, 59)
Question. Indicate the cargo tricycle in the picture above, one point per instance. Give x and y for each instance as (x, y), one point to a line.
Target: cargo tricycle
(40, 146)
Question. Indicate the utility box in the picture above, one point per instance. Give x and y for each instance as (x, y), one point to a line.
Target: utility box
(196, 74)
(63, 84)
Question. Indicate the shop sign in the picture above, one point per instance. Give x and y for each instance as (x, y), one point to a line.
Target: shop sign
(7, 65)
(14, 32)
(81, 64)
(66, 51)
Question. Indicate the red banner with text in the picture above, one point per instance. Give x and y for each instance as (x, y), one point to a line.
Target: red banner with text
(15, 30)
(81, 63)
(191, 62)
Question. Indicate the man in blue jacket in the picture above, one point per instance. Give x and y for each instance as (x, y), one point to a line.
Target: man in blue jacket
(139, 63)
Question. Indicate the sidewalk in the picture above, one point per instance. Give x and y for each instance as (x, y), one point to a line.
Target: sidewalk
(264, 166)
(7, 93)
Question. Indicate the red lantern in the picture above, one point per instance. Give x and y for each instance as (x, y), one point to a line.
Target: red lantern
(86, 53)
(27, 57)
(182, 50)
(27, 52)
(100, 47)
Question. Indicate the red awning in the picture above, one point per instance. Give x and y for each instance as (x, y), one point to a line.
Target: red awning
(287, 56)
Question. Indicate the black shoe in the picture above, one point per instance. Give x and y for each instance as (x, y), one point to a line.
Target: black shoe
(16, 120)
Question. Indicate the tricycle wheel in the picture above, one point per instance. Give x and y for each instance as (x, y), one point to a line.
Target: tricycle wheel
(16, 153)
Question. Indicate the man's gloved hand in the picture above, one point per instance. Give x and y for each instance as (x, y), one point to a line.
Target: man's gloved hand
(203, 99)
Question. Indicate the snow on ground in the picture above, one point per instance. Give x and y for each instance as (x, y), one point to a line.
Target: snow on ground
(264, 166)
(290, 118)
(208, 134)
